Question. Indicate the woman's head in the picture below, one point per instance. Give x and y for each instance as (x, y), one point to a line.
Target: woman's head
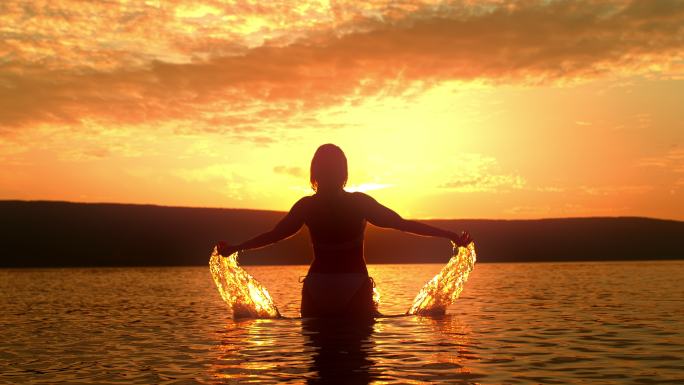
(328, 168)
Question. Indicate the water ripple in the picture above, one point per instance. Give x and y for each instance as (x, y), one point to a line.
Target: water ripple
(598, 323)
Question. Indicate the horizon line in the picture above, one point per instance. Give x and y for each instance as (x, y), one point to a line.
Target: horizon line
(283, 211)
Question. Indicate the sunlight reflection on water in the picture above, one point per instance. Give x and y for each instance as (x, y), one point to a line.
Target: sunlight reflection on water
(598, 323)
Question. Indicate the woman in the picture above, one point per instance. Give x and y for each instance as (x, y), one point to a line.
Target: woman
(337, 283)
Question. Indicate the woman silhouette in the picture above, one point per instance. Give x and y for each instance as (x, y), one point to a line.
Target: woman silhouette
(337, 283)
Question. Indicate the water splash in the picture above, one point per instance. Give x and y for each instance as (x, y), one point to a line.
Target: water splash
(376, 296)
(445, 287)
(245, 296)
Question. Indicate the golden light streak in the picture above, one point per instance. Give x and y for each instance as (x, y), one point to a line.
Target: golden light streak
(363, 187)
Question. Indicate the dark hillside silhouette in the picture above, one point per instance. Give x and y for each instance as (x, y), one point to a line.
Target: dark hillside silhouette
(79, 234)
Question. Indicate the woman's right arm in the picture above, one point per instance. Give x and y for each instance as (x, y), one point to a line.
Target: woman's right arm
(285, 228)
(382, 216)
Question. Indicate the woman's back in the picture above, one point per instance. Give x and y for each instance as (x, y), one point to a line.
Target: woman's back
(336, 222)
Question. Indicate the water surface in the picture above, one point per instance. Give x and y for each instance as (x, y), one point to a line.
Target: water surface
(550, 323)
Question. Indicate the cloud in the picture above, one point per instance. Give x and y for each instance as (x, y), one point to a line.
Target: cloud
(151, 65)
(565, 210)
(542, 210)
(616, 190)
(222, 178)
(477, 173)
(292, 171)
(672, 160)
(488, 183)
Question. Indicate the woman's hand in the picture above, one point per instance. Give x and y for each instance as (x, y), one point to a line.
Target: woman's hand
(461, 240)
(225, 249)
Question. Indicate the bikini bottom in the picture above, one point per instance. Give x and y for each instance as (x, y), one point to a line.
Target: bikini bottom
(338, 295)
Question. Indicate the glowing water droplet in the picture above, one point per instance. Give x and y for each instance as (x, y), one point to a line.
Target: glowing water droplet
(245, 296)
(445, 287)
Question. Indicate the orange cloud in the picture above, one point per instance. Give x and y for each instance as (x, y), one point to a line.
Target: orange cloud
(476, 173)
(220, 77)
(292, 171)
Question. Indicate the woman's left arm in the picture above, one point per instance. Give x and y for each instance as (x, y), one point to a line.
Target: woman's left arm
(382, 216)
(287, 227)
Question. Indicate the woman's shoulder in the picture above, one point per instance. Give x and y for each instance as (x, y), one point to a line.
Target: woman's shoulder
(361, 197)
(304, 201)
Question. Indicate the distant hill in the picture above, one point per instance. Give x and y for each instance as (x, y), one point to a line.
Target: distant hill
(38, 233)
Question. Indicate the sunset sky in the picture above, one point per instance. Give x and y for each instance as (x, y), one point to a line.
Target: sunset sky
(463, 109)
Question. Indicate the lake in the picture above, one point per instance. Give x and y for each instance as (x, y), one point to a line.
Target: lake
(538, 323)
